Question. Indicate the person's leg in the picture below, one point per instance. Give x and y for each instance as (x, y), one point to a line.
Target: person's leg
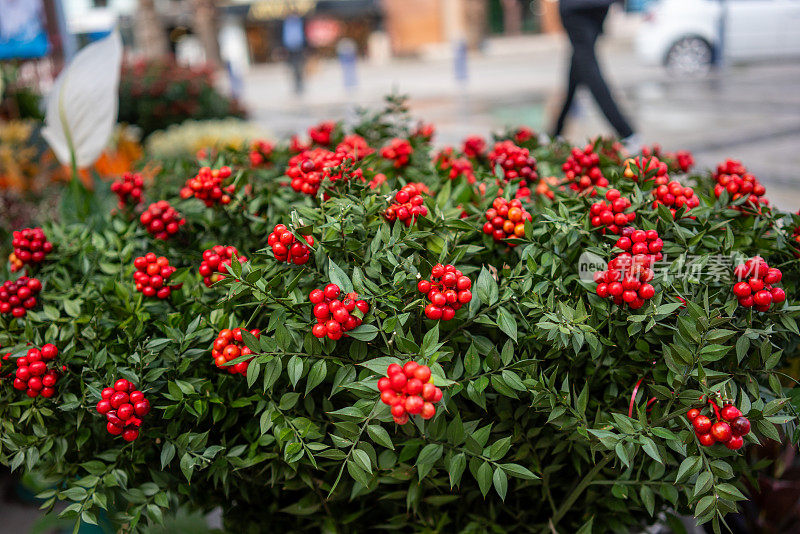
(572, 85)
(586, 32)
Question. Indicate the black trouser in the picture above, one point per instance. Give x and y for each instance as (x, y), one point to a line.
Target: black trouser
(583, 27)
(296, 63)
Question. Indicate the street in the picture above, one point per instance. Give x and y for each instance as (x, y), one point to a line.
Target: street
(750, 112)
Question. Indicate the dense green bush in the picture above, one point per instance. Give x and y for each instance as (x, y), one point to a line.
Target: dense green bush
(156, 94)
(538, 371)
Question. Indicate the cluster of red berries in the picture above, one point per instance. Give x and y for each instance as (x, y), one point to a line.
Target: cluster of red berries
(321, 133)
(261, 153)
(308, 169)
(506, 220)
(30, 246)
(408, 204)
(215, 262)
(151, 275)
(297, 145)
(286, 247)
(409, 390)
(354, 146)
(455, 167)
(334, 316)
(612, 214)
(398, 151)
(161, 219)
(680, 161)
(626, 280)
(474, 147)
(641, 242)
(754, 288)
(447, 290)
(649, 169)
(732, 176)
(674, 196)
(582, 169)
(128, 189)
(17, 297)
(424, 132)
(523, 135)
(516, 162)
(208, 186)
(228, 346)
(123, 405)
(32, 372)
(729, 429)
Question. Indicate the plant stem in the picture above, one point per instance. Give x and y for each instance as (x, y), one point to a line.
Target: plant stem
(582, 485)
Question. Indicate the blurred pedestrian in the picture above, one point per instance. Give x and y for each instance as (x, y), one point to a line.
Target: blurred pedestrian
(583, 22)
(294, 43)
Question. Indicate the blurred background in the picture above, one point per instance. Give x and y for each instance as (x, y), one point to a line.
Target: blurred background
(716, 77)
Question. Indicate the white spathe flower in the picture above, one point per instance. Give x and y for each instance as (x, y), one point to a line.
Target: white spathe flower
(82, 107)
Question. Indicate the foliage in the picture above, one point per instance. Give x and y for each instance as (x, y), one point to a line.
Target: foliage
(537, 371)
(157, 93)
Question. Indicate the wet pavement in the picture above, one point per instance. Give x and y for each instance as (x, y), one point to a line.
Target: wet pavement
(750, 112)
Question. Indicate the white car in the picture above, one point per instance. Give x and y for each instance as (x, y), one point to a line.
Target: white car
(684, 35)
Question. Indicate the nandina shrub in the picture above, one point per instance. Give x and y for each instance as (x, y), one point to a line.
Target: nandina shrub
(154, 94)
(560, 411)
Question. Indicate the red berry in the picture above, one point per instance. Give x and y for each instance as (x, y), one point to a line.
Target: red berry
(114, 430)
(393, 369)
(414, 404)
(706, 439)
(721, 431)
(49, 351)
(730, 412)
(692, 414)
(734, 443)
(422, 373)
(142, 407)
(103, 407)
(398, 381)
(702, 424)
(414, 386)
(130, 434)
(409, 368)
(740, 426)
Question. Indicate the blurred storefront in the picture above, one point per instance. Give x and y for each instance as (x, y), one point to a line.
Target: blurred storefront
(326, 23)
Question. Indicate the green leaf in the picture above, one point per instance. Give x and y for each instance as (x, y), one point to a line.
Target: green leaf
(519, 471)
(500, 481)
(295, 369)
(339, 277)
(705, 504)
(472, 362)
(484, 477)
(456, 468)
(648, 498)
(167, 453)
(380, 436)
(703, 483)
(507, 323)
(364, 332)
(486, 288)
(316, 375)
(430, 454)
(650, 448)
(731, 492)
(688, 467)
(362, 459)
